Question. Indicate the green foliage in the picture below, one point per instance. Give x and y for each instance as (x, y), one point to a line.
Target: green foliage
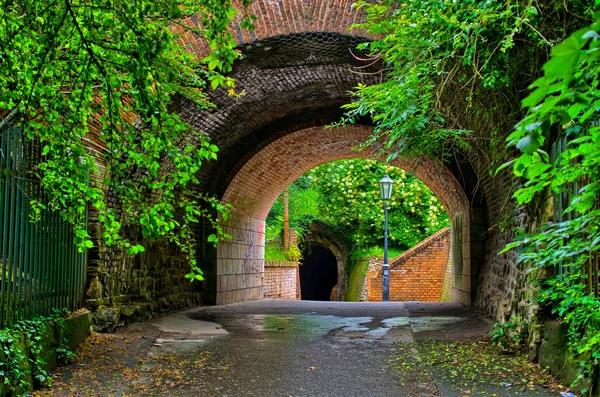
(350, 198)
(294, 253)
(275, 252)
(565, 102)
(23, 336)
(303, 200)
(452, 70)
(510, 334)
(104, 71)
(345, 196)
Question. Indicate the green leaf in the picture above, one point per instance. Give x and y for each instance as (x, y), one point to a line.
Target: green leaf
(528, 144)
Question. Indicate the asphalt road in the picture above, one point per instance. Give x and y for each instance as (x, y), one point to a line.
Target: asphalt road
(282, 348)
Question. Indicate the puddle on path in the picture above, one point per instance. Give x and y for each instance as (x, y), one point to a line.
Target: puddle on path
(283, 327)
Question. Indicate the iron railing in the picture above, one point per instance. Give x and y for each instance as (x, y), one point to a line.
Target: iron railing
(40, 266)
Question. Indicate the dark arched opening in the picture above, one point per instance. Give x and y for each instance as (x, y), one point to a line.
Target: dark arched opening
(318, 272)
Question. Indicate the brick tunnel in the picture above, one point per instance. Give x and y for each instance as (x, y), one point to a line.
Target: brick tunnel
(318, 273)
(298, 67)
(256, 186)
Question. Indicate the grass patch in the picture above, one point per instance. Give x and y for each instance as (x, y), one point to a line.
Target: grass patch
(377, 252)
(275, 253)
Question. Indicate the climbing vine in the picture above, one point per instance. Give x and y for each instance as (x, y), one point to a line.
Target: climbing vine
(452, 71)
(565, 102)
(102, 73)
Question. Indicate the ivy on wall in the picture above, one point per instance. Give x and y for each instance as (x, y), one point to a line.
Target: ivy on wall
(565, 101)
(22, 351)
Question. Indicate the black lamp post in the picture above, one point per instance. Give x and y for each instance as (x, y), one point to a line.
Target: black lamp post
(386, 185)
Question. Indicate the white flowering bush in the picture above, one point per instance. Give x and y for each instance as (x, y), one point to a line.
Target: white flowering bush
(349, 197)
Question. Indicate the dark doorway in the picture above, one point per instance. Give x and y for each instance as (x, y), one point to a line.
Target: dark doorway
(318, 272)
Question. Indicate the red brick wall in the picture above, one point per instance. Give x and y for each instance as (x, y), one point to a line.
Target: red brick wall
(417, 274)
(281, 280)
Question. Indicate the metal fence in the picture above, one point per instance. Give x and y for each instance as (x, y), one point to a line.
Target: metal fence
(40, 266)
(590, 272)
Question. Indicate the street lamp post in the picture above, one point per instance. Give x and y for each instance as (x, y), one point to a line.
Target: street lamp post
(386, 185)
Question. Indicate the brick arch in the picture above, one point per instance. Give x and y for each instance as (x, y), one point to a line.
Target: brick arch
(284, 17)
(339, 258)
(297, 65)
(258, 183)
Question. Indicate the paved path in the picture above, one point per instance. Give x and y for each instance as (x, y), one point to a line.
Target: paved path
(284, 348)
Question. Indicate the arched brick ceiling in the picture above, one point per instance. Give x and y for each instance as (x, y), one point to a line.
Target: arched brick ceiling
(298, 68)
(256, 186)
(300, 78)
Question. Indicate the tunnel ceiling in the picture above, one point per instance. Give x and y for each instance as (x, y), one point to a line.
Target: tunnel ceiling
(288, 81)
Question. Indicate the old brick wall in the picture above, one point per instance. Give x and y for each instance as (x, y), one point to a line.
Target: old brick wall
(417, 274)
(281, 280)
(280, 18)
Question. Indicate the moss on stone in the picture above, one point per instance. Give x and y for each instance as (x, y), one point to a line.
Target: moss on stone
(555, 354)
(356, 280)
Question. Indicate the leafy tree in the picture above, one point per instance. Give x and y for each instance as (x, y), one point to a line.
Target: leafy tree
(105, 70)
(350, 198)
(345, 195)
(453, 70)
(303, 200)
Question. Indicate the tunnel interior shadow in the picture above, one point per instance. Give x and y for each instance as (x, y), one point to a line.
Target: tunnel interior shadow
(318, 272)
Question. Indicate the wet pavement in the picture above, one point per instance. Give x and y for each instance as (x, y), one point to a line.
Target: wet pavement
(283, 348)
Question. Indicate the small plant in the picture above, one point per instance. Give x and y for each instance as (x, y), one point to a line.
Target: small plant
(293, 253)
(510, 334)
(27, 336)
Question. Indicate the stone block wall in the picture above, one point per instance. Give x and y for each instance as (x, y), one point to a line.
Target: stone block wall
(503, 287)
(122, 288)
(240, 261)
(281, 280)
(417, 274)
